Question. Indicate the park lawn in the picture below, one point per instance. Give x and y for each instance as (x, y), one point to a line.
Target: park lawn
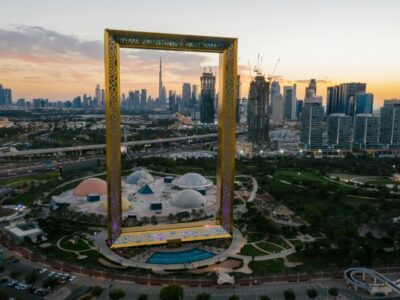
(79, 246)
(296, 242)
(277, 240)
(250, 250)
(255, 237)
(269, 247)
(289, 175)
(267, 266)
(315, 263)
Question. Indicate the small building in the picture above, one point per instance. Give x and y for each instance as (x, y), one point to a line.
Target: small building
(21, 231)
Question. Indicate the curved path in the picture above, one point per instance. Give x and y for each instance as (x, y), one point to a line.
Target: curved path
(350, 276)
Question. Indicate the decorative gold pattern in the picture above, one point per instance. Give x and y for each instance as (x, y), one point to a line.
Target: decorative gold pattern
(227, 47)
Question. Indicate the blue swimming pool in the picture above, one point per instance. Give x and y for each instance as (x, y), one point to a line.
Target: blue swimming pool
(181, 257)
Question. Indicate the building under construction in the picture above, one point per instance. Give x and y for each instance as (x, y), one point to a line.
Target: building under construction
(257, 111)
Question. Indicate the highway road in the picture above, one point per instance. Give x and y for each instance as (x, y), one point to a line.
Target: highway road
(103, 146)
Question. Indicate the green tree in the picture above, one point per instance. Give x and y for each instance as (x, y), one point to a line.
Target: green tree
(142, 297)
(15, 274)
(2, 268)
(265, 297)
(3, 294)
(289, 295)
(333, 292)
(50, 282)
(234, 297)
(116, 294)
(312, 293)
(31, 278)
(171, 292)
(96, 291)
(203, 296)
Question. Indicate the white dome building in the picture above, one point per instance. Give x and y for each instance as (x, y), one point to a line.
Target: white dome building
(91, 186)
(192, 181)
(139, 177)
(188, 199)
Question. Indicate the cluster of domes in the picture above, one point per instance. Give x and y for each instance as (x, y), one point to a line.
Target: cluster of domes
(188, 198)
(139, 177)
(125, 204)
(191, 181)
(91, 186)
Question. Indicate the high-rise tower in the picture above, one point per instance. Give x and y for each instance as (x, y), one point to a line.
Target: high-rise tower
(257, 111)
(207, 97)
(160, 84)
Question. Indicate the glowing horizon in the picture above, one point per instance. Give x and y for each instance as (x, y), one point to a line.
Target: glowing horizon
(48, 55)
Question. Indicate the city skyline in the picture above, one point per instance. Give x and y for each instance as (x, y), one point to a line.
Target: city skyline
(34, 64)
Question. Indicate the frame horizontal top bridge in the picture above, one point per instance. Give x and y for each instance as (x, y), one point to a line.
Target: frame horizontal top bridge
(166, 41)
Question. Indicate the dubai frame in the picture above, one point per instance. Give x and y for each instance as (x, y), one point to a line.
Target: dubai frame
(227, 49)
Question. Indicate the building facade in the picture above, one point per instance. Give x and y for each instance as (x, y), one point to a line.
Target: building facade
(207, 97)
(339, 131)
(389, 135)
(365, 132)
(257, 111)
(312, 126)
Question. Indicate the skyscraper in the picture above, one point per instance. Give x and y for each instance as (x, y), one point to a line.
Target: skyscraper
(333, 104)
(172, 102)
(275, 89)
(131, 100)
(257, 111)
(136, 101)
(339, 131)
(7, 97)
(289, 96)
(103, 98)
(143, 99)
(348, 94)
(311, 91)
(312, 126)
(195, 94)
(97, 99)
(207, 97)
(2, 102)
(186, 95)
(390, 124)
(277, 109)
(365, 131)
(364, 103)
(160, 84)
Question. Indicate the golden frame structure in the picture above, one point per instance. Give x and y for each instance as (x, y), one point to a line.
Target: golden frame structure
(227, 49)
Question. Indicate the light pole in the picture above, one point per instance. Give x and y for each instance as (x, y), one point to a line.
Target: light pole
(108, 291)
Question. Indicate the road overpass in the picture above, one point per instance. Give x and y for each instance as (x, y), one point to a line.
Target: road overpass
(103, 146)
(381, 283)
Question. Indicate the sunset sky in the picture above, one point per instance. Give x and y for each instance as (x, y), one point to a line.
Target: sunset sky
(54, 49)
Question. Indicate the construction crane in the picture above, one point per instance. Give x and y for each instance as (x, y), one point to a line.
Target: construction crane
(271, 76)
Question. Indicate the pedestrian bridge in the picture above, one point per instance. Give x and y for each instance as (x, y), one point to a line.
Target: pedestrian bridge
(380, 284)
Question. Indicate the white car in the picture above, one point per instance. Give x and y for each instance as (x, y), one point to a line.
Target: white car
(42, 271)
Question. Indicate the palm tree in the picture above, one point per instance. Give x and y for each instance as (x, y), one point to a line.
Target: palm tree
(289, 295)
(333, 292)
(203, 296)
(312, 293)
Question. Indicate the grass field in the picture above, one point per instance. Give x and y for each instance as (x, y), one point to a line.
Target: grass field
(267, 266)
(250, 250)
(269, 247)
